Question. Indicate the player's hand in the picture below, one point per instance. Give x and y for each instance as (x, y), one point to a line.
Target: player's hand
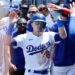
(12, 67)
(13, 17)
(72, 9)
(51, 5)
(47, 54)
(54, 7)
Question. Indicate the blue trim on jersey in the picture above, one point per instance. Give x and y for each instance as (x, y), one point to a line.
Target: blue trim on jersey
(14, 43)
(17, 56)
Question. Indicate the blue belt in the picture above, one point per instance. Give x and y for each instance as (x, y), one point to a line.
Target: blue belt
(39, 71)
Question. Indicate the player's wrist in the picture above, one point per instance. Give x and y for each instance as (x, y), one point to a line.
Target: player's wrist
(60, 23)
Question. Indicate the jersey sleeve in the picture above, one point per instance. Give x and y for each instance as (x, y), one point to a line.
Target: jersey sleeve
(17, 42)
(55, 38)
(52, 37)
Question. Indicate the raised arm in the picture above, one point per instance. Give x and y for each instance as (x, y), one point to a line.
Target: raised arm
(7, 56)
(61, 30)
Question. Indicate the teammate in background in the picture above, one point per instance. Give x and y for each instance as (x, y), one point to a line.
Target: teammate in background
(37, 45)
(17, 57)
(64, 55)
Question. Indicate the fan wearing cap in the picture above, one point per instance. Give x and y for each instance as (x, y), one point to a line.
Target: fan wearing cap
(36, 46)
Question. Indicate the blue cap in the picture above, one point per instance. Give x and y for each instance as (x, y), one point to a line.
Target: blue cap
(39, 17)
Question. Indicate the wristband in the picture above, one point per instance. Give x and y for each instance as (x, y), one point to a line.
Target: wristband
(60, 23)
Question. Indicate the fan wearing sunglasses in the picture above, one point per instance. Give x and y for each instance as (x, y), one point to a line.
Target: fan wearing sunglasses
(32, 10)
(21, 25)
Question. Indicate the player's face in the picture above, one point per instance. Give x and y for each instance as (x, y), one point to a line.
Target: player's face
(21, 27)
(38, 26)
(32, 10)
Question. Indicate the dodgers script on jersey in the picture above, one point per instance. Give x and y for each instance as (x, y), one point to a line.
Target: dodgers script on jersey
(34, 48)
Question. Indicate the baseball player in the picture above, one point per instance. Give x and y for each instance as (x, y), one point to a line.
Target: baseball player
(37, 45)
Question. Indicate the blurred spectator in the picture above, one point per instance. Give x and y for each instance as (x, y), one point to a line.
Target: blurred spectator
(64, 54)
(31, 11)
(4, 8)
(24, 10)
(4, 62)
(55, 2)
(13, 15)
(49, 18)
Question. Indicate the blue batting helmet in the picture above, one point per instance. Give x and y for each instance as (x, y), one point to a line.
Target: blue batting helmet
(39, 17)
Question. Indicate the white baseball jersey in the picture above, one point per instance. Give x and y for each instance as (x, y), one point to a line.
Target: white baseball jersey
(34, 48)
(2, 64)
